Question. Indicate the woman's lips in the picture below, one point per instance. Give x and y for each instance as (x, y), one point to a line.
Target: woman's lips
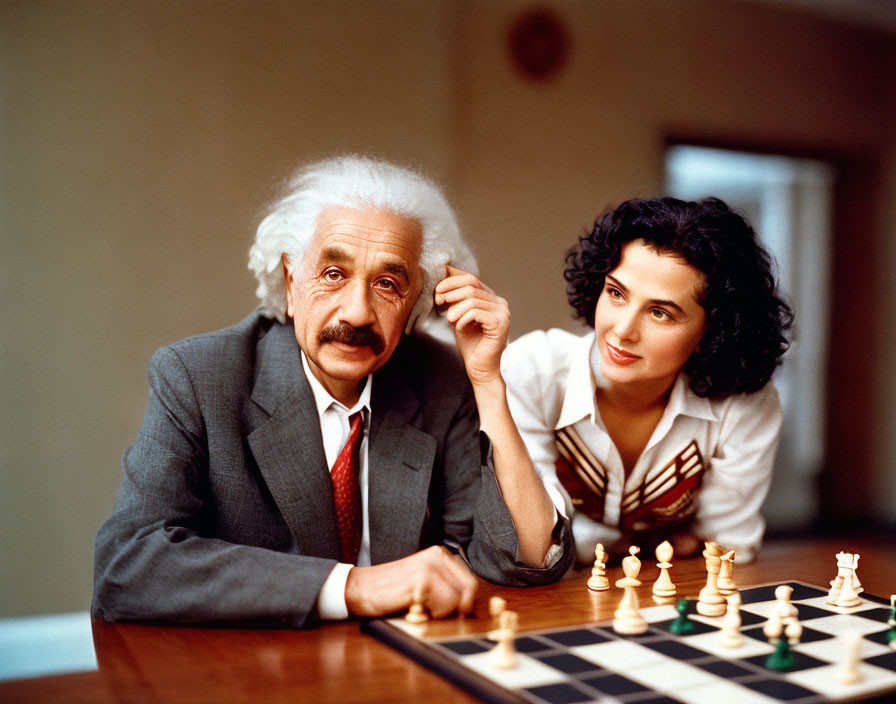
(619, 356)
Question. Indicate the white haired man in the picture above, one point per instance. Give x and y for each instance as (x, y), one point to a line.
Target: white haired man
(323, 458)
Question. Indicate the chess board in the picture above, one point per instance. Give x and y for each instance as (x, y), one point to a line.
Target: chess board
(591, 663)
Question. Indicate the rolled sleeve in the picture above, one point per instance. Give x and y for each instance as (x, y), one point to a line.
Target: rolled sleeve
(735, 489)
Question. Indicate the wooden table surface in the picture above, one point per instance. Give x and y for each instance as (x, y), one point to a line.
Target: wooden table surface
(337, 663)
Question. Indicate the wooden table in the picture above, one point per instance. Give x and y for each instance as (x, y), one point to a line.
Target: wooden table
(337, 663)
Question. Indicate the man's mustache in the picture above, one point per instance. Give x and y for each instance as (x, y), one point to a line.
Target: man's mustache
(350, 335)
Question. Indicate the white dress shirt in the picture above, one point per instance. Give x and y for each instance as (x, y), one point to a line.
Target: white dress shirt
(334, 428)
(552, 377)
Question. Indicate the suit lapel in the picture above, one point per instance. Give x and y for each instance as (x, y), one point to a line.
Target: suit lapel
(287, 446)
(400, 459)
(286, 442)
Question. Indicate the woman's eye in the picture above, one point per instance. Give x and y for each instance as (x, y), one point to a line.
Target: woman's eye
(660, 314)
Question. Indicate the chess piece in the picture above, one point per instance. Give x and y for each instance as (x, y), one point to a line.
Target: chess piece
(854, 574)
(730, 635)
(416, 614)
(726, 582)
(848, 672)
(710, 601)
(627, 619)
(598, 580)
(794, 631)
(891, 622)
(496, 606)
(847, 563)
(849, 593)
(503, 655)
(834, 591)
(783, 657)
(783, 606)
(682, 624)
(773, 627)
(663, 588)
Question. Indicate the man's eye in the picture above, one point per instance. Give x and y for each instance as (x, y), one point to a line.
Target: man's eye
(333, 275)
(387, 284)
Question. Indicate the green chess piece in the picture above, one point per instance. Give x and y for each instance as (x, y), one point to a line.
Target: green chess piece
(682, 624)
(891, 622)
(782, 658)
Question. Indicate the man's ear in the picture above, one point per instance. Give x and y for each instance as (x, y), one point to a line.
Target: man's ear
(287, 281)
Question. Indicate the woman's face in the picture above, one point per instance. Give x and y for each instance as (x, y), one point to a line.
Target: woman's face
(648, 322)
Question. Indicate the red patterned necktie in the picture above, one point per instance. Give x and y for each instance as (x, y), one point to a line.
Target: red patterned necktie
(347, 493)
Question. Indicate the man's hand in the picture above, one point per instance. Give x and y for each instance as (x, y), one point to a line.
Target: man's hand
(481, 321)
(439, 578)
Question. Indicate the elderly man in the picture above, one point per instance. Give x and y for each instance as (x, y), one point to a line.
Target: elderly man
(324, 457)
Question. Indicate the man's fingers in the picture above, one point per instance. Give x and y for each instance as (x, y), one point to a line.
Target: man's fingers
(482, 319)
(441, 597)
(454, 271)
(456, 311)
(457, 278)
(447, 583)
(466, 582)
(453, 588)
(433, 577)
(467, 291)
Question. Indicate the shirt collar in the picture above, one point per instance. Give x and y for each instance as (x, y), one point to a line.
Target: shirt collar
(580, 399)
(584, 377)
(683, 401)
(323, 400)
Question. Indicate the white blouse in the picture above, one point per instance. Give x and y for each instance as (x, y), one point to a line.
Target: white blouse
(710, 459)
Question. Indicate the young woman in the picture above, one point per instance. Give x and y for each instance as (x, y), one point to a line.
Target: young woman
(661, 423)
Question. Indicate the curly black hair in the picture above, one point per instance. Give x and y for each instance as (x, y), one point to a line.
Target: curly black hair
(746, 320)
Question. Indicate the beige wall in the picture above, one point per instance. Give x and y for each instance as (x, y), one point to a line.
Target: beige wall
(140, 139)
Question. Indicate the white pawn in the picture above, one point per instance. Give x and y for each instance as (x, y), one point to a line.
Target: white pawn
(416, 614)
(730, 635)
(783, 606)
(794, 631)
(848, 672)
(773, 628)
(496, 606)
(598, 580)
(504, 653)
(663, 588)
(627, 619)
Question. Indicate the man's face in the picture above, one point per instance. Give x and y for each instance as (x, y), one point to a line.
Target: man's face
(351, 295)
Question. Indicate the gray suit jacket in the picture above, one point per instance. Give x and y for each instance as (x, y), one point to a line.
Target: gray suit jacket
(225, 511)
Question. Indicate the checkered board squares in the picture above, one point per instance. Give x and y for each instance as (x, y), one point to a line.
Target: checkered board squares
(591, 663)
